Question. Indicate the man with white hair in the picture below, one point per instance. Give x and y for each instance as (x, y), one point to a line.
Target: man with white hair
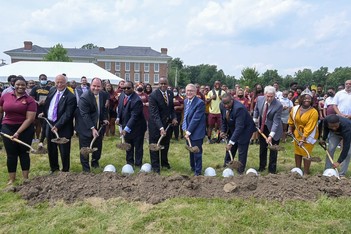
(59, 108)
(267, 116)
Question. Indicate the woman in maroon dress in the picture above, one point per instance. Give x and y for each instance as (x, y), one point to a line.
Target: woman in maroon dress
(144, 99)
(178, 108)
(112, 114)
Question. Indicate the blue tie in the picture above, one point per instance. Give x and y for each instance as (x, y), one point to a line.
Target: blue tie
(184, 125)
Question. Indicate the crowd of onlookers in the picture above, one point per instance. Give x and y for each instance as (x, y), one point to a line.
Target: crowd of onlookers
(267, 113)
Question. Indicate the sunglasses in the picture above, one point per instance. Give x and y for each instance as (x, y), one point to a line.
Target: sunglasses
(127, 88)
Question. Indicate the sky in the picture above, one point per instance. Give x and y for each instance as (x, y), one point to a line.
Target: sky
(283, 35)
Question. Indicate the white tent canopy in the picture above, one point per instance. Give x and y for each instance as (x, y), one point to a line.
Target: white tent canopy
(31, 70)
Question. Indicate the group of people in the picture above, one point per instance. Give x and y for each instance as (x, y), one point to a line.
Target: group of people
(236, 116)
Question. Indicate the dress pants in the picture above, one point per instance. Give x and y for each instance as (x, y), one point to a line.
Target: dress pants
(196, 158)
(272, 165)
(155, 155)
(334, 141)
(65, 151)
(85, 142)
(134, 156)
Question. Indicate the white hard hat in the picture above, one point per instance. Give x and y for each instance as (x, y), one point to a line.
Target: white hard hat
(110, 168)
(127, 169)
(227, 172)
(210, 172)
(330, 172)
(146, 167)
(251, 170)
(297, 170)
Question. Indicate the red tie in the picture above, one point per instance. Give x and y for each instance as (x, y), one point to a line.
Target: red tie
(264, 116)
(125, 100)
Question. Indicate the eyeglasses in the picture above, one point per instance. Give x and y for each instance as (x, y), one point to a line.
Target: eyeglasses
(162, 83)
(127, 88)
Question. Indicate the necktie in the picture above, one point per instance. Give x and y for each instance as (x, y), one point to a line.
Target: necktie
(184, 125)
(54, 112)
(98, 112)
(165, 97)
(227, 115)
(264, 117)
(125, 100)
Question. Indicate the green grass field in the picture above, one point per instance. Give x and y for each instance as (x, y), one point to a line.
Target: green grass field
(181, 215)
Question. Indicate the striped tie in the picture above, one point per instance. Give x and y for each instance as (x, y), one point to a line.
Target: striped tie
(184, 125)
(165, 97)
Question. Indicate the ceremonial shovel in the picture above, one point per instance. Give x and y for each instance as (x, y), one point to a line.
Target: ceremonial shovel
(57, 140)
(312, 159)
(85, 151)
(123, 145)
(192, 149)
(270, 146)
(157, 147)
(330, 158)
(41, 150)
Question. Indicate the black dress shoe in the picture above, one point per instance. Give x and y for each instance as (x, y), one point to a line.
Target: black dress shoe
(261, 169)
(167, 167)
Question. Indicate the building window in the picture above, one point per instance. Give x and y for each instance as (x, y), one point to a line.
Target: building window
(136, 67)
(127, 66)
(156, 78)
(146, 67)
(117, 66)
(127, 76)
(136, 77)
(156, 67)
(108, 66)
(146, 78)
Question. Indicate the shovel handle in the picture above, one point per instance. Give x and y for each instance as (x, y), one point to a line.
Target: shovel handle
(17, 140)
(330, 158)
(50, 125)
(263, 135)
(162, 136)
(303, 147)
(94, 139)
(189, 142)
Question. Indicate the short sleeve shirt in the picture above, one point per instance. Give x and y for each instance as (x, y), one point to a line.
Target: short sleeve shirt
(16, 108)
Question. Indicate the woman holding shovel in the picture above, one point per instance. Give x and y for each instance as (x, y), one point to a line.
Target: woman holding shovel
(303, 121)
(20, 111)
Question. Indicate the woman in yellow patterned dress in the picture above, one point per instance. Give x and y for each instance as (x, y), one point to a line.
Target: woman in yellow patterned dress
(303, 123)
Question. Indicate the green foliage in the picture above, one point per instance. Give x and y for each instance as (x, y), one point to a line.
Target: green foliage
(57, 53)
(89, 46)
(249, 77)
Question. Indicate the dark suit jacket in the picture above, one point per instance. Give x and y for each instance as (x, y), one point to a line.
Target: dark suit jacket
(88, 111)
(131, 115)
(274, 114)
(160, 113)
(240, 125)
(65, 112)
(196, 119)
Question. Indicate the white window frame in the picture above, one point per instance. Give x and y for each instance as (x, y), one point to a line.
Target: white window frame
(108, 66)
(146, 67)
(146, 78)
(127, 76)
(117, 66)
(156, 65)
(136, 67)
(136, 77)
(156, 78)
(127, 66)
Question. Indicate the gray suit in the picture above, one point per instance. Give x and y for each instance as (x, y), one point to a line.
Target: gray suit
(273, 125)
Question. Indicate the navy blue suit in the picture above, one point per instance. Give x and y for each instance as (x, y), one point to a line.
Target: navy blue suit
(239, 128)
(196, 126)
(131, 118)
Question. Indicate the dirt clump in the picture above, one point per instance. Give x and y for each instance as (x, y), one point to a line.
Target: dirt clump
(153, 188)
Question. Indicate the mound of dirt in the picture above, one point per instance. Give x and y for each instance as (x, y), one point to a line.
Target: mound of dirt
(153, 188)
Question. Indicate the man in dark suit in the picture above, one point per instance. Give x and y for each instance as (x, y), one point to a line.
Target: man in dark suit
(162, 114)
(238, 127)
(59, 108)
(131, 118)
(93, 114)
(79, 90)
(194, 125)
(267, 115)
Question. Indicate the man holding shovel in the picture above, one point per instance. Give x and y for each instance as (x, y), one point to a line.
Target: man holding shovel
(238, 127)
(93, 113)
(194, 125)
(336, 129)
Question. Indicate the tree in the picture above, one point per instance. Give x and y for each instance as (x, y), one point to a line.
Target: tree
(249, 77)
(271, 76)
(304, 77)
(339, 76)
(89, 46)
(57, 53)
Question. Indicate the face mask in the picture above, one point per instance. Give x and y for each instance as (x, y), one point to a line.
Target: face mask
(175, 93)
(183, 94)
(43, 82)
(140, 89)
(240, 96)
(330, 94)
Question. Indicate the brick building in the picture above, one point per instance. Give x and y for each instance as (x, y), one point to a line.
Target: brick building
(137, 64)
